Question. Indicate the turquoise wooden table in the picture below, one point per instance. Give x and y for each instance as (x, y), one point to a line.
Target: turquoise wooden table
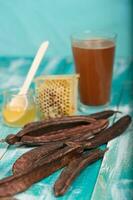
(109, 179)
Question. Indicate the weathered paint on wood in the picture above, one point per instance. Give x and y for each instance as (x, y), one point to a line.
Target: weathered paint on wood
(114, 177)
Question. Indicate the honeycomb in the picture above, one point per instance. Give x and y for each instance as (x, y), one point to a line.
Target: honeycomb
(56, 96)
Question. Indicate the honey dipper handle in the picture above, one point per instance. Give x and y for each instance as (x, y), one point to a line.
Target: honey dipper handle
(34, 67)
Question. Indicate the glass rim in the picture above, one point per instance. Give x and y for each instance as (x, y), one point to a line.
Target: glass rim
(80, 35)
(14, 92)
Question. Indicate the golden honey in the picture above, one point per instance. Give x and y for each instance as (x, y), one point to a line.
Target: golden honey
(17, 117)
(18, 110)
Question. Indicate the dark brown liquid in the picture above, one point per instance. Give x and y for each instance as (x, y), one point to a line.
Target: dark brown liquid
(94, 62)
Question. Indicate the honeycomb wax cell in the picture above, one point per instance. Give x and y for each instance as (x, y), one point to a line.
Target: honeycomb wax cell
(56, 95)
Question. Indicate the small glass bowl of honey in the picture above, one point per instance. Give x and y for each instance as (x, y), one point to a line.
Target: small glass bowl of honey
(23, 111)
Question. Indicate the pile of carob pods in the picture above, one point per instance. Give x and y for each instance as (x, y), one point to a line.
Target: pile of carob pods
(71, 142)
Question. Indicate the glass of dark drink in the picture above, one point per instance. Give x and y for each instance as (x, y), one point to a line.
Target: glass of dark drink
(93, 54)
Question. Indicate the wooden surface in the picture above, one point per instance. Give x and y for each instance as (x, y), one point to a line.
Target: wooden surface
(109, 179)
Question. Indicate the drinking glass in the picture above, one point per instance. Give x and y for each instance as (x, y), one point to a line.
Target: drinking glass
(93, 53)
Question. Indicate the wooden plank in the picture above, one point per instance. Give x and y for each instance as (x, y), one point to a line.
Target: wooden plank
(4, 131)
(115, 180)
(82, 188)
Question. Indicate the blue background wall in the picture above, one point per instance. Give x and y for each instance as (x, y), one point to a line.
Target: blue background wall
(24, 24)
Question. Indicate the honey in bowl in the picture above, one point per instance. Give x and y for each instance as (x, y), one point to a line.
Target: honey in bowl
(18, 116)
(21, 113)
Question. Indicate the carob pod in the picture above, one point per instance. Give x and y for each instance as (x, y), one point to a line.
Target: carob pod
(37, 144)
(55, 125)
(8, 198)
(92, 128)
(79, 138)
(87, 135)
(34, 141)
(49, 125)
(73, 169)
(13, 139)
(83, 135)
(99, 115)
(74, 119)
(20, 182)
(26, 161)
(106, 135)
(104, 114)
(64, 119)
(47, 159)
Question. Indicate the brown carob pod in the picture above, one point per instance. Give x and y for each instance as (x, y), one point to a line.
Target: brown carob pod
(75, 119)
(20, 182)
(49, 126)
(47, 159)
(36, 128)
(99, 115)
(26, 161)
(12, 139)
(73, 169)
(77, 137)
(37, 144)
(64, 119)
(106, 135)
(104, 114)
(87, 135)
(55, 125)
(92, 128)
(60, 153)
